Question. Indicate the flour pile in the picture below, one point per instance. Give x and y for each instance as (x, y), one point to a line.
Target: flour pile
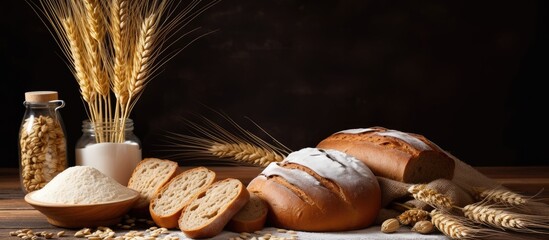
(82, 185)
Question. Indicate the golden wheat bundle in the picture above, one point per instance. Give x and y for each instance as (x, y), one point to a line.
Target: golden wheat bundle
(115, 47)
(211, 141)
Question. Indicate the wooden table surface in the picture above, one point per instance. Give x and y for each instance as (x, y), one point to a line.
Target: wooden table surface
(16, 214)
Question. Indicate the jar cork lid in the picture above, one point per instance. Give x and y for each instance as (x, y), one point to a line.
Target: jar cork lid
(40, 96)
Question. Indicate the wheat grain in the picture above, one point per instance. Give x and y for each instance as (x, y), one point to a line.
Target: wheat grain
(411, 216)
(245, 152)
(501, 218)
(390, 225)
(423, 227)
(431, 197)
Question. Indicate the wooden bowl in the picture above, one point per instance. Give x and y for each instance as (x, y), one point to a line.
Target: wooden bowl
(83, 215)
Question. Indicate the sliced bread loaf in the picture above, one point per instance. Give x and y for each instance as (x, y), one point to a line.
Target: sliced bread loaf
(397, 155)
(167, 203)
(251, 217)
(147, 178)
(210, 211)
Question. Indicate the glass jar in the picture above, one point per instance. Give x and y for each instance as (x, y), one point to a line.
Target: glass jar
(42, 142)
(111, 147)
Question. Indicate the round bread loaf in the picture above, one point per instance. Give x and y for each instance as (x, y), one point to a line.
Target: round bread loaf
(319, 190)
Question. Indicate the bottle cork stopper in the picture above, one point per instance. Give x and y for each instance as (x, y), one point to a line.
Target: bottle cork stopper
(40, 96)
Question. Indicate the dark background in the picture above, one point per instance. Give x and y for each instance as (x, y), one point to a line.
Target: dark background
(468, 75)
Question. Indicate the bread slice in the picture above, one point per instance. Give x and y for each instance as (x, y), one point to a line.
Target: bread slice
(251, 217)
(210, 211)
(167, 203)
(147, 178)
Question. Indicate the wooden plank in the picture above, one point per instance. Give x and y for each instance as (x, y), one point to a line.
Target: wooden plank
(28, 218)
(13, 204)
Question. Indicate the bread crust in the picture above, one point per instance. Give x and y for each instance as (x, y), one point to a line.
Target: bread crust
(215, 225)
(250, 225)
(404, 157)
(313, 205)
(170, 221)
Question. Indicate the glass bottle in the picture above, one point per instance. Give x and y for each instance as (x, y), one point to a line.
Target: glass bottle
(42, 142)
(110, 147)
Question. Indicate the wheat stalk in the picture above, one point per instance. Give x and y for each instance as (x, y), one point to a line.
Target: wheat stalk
(212, 141)
(501, 218)
(430, 196)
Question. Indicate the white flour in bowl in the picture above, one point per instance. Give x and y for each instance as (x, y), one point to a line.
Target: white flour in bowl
(82, 185)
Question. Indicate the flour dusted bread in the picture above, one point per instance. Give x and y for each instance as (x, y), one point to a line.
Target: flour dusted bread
(318, 190)
(210, 211)
(166, 205)
(251, 217)
(404, 157)
(147, 178)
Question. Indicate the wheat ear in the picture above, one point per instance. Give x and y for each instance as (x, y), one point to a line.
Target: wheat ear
(94, 41)
(212, 141)
(77, 49)
(457, 227)
(142, 60)
(452, 226)
(245, 152)
(501, 218)
(411, 216)
(119, 33)
(498, 195)
(430, 196)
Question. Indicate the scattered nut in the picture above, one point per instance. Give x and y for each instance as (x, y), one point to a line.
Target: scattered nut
(423, 227)
(390, 225)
